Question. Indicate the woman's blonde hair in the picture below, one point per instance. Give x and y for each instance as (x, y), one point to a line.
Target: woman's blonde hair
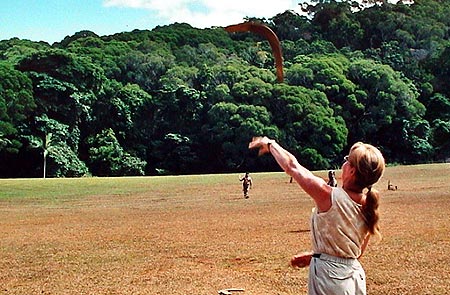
(369, 164)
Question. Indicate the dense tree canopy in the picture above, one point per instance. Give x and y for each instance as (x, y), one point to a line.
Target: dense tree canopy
(16, 104)
(181, 100)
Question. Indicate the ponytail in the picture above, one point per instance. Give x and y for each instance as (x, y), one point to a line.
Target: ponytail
(369, 164)
(370, 212)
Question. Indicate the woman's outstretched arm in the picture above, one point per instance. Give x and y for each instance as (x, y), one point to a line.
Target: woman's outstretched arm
(315, 186)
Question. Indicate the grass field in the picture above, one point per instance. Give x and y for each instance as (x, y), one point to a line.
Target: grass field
(197, 235)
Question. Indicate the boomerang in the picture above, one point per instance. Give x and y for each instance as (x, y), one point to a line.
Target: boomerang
(268, 34)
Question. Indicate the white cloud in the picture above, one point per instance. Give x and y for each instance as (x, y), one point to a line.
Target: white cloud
(207, 13)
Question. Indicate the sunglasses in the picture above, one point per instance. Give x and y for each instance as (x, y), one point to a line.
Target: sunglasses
(346, 158)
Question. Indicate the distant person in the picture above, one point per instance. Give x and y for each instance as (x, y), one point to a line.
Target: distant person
(340, 236)
(332, 178)
(246, 184)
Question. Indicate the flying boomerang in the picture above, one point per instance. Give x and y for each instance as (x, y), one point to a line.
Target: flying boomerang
(268, 34)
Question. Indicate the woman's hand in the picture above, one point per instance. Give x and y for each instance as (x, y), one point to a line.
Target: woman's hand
(301, 260)
(262, 143)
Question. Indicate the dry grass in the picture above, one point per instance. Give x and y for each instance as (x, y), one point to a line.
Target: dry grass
(196, 235)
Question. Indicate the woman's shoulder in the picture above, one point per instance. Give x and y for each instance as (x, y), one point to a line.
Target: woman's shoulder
(339, 195)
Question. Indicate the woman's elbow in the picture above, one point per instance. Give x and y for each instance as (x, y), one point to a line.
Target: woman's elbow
(292, 168)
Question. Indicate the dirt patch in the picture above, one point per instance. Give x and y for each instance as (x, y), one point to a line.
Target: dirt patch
(190, 237)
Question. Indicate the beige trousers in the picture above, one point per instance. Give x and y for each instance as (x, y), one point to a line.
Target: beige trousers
(330, 275)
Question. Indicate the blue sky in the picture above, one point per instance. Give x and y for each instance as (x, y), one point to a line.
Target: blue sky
(52, 20)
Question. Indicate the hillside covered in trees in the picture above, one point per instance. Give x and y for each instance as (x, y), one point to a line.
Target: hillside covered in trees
(182, 100)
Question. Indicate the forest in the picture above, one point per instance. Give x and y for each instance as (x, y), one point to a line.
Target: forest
(180, 100)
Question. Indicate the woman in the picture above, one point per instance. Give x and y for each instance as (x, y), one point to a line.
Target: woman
(343, 219)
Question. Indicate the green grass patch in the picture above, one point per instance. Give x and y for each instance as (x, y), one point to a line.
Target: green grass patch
(59, 189)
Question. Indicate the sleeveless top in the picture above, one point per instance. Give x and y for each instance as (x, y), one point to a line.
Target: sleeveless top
(341, 230)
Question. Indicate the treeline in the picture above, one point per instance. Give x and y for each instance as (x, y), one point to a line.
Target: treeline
(182, 100)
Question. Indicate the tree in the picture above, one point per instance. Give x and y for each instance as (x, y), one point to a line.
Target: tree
(47, 146)
(203, 54)
(66, 67)
(417, 136)
(105, 54)
(309, 125)
(390, 107)
(78, 35)
(438, 107)
(176, 155)
(58, 99)
(253, 91)
(16, 106)
(144, 70)
(64, 162)
(179, 111)
(441, 139)
(59, 147)
(187, 100)
(108, 158)
(227, 131)
(289, 25)
(178, 76)
(440, 65)
(15, 49)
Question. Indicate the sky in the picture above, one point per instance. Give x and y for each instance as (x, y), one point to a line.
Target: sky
(52, 20)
